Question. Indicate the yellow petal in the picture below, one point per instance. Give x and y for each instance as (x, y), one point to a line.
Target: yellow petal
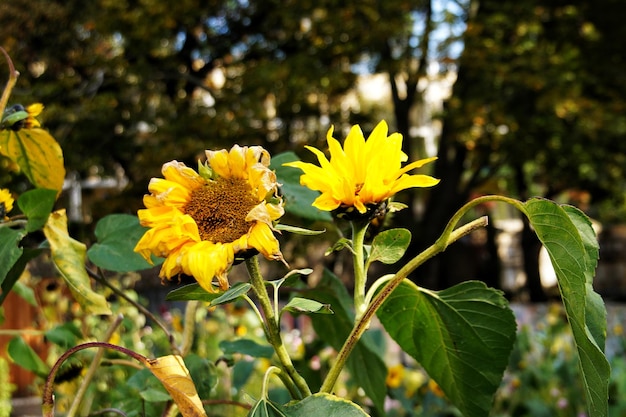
(206, 260)
(410, 181)
(181, 174)
(7, 200)
(262, 239)
(218, 160)
(416, 164)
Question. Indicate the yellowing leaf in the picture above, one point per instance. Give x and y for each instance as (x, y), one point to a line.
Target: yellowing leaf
(69, 257)
(174, 376)
(37, 154)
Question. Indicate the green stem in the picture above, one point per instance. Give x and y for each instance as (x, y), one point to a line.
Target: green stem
(82, 389)
(360, 276)
(272, 330)
(13, 74)
(444, 238)
(189, 328)
(363, 323)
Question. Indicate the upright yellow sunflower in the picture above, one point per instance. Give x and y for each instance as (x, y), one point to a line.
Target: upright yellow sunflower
(6, 203)
(199, 221)
(363, 173)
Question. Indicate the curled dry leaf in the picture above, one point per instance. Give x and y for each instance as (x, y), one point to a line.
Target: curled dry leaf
(174, 376)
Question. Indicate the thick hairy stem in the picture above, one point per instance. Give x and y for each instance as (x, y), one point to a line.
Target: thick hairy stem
(360, 274)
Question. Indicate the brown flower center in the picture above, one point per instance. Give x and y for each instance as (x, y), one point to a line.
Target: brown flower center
(220, 208)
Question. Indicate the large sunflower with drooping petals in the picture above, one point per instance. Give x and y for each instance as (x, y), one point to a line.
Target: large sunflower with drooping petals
(200, 220)
(362, 174)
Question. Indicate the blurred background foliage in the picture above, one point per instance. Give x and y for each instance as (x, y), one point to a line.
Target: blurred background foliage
(537, 108)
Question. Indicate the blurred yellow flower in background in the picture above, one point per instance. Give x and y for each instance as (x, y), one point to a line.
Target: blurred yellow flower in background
(395, 375)
(6, 202)
(199, 221)
(363, 173)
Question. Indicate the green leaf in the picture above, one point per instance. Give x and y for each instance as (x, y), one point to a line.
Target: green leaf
(23, 355)
(36, 205)
(10, 251)
(462, 336)
(117, 236)
(26, 293)
(204, 374)
(12, 117)
(305, 305)
(65, 335)
(246, 347)
(289, 278)
(326, 405)
(334, 329)
(572, 247)
(238, 290)
(38, 155)
(299, 230)
(191, 292)
(267, 408)
(339, 245)
(155, 395)
(69, 257)
(16, 270)
(389, 246)
(298, 199)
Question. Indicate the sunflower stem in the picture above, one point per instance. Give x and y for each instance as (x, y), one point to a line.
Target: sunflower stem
(362, 323)
(360, 274)
(272, 329)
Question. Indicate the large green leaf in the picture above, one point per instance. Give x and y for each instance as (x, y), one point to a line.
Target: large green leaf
(10, 251)
(325, 405)
(571, 244)
(38, 155)
(36, 205)
(462, 336)
(117, 236)
(320, 404)
(298, 199)
(334, 329)
(267, 408)
(69, 257)
(15, 272)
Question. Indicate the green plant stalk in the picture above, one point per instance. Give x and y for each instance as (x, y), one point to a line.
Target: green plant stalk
(82, 389)
(47, 403)
(272, 331)
(13, 75)
(189, 328)
(363, 323)
(360, 274)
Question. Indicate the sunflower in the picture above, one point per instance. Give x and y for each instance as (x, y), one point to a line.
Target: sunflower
(6, 203)
(362, 174)
(199, 221)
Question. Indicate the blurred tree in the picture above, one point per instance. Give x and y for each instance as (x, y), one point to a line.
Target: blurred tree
(538, 105)
(537, 109)
(135, 83)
